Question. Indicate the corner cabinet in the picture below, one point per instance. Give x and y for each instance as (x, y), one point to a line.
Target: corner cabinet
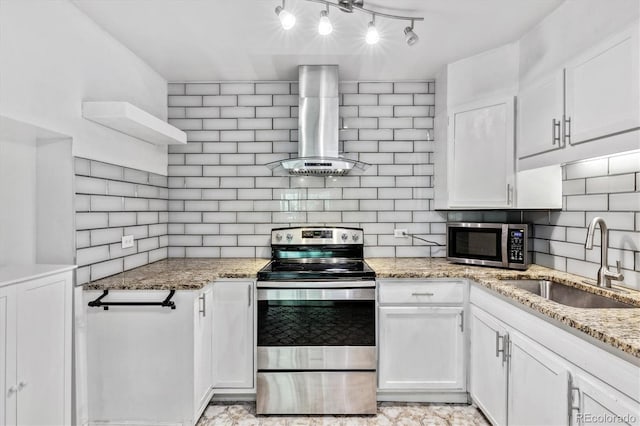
(481, 164)
(233, 335)
(35, 350)
(527, 371)
(475, 124)
(421, 339)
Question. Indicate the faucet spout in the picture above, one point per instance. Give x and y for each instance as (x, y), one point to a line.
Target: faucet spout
(604, 274)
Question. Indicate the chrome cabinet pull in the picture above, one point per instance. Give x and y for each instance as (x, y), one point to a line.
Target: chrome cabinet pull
(422, 294)
(249, 295)
(573, 401)
(555, 131)
(22, 385)
(567, 130)
(203, 310)
(505, 344)
(12, 390)
(462, 321)
(509, 194)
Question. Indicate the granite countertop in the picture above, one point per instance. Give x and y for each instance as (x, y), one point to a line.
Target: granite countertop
(180, 274)
(619, 328)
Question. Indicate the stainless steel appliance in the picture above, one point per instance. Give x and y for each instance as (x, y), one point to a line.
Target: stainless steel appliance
(316, 324)
(489, 244)
(318, 124)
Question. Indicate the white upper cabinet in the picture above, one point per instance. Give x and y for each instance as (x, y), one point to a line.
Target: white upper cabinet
(475, 167)
(578, 99)
(602, 89)
(540, 115)
(481, 167)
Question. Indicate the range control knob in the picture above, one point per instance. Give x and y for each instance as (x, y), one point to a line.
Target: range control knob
(344, 237)
(355, 237)
(289, 237)
(279, 236)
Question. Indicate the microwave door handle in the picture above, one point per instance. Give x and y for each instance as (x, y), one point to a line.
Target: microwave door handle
(505, 249)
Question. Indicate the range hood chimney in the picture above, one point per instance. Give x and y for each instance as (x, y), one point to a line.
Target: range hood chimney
(318, 123)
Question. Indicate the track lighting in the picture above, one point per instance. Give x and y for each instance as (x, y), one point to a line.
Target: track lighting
(324, 26)
(372, 36)
(287, 19)
(410, 36)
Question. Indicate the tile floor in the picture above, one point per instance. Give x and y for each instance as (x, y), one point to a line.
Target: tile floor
(405, 414)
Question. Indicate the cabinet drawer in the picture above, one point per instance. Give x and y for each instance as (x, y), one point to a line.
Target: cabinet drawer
(420, 292)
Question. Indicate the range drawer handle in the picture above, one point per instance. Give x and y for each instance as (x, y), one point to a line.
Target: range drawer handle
(422, 294)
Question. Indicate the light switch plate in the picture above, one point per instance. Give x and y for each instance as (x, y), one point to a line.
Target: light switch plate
(127, 241)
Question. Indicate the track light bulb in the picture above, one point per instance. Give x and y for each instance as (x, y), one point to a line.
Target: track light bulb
(410, 36)
(287, 19)
(372, 36)
(324, 26)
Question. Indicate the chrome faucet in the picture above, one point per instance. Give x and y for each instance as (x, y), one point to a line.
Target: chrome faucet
(604, 274)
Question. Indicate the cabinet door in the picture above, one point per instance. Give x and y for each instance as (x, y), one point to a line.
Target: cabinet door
(8, 387)
(482, 158)
(601, 404)
(488, 366)
(540, 113)
(233, 334)
(538, 385)
(203, 337)
(44, 351)
(603, 90)
(421, 348)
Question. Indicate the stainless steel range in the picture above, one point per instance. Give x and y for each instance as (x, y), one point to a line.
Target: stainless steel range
(316, 324)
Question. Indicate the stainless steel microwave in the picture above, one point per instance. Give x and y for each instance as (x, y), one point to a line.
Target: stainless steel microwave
(503, 245)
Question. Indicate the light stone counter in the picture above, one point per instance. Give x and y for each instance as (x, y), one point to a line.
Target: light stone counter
(180, 274)
(619, 328)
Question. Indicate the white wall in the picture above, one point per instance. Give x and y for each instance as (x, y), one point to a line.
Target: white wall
(18, 202)
(52, 57)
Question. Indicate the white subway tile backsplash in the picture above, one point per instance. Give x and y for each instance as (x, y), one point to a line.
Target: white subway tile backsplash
(587, 202)
(105, 269)
(255, 100)
(411, 87)
(237, 89)
(273, 88)
(626, 163)
(202, 89)
(88, 256)
(609, 184)
(624, 202)
(220, 101)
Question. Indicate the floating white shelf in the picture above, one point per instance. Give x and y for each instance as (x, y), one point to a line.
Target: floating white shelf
(131, 120)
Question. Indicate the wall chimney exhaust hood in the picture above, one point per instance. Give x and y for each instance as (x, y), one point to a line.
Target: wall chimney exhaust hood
(318, 127)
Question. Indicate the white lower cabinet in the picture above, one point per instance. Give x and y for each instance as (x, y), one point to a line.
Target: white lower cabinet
(421, 348)
(594, 402)
(35, 351)
(421, 336)
(149, 365)
(233, 334)
(527, 371)
(487, 366)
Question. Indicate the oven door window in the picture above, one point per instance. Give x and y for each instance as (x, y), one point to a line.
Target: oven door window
(316, 323)
(482, 244)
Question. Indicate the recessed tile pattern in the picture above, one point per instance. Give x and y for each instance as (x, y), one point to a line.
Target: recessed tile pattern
(389, 413)
(113, 201)
(224, 201)
(605, 187)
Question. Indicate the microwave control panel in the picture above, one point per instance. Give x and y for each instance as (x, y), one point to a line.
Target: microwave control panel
(516, 246)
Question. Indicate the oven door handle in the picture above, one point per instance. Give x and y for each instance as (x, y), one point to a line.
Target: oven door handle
(316, 294)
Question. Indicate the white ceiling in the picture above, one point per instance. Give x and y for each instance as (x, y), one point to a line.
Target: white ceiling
(208, 40)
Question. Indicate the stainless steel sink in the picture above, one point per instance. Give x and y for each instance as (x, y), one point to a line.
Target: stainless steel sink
(567, 295)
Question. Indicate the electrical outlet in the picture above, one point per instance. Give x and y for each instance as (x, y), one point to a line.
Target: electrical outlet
(127, 241)
(400, 233)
